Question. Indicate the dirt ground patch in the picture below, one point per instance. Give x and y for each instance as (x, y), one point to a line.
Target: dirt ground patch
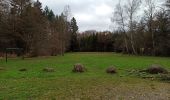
(118, 91)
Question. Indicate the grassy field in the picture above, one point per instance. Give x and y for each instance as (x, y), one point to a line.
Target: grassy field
(95, 84)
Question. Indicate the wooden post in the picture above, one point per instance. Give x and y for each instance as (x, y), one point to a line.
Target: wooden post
(22, 54)
(19, 50)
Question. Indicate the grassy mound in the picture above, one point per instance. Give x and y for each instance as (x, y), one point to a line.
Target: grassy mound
(156, 69)
(79, 68)
(111, 70)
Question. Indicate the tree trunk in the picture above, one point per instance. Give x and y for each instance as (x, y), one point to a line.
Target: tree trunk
(153, 44)
(132, 44)
(126, 43)
(131, 35)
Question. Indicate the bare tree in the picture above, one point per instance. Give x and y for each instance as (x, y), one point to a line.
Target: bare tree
(67, 13)
(66, 35)
(131, 9)
(150, 14)
(119, 17)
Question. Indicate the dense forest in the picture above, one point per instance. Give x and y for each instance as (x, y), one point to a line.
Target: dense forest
(25, 24)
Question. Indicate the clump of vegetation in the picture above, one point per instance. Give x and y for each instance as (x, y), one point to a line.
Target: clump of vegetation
(156, 69)
(23, 70)
(47, 69)
(165, 77)
(154, 72)
(79, 68)
(111, 70)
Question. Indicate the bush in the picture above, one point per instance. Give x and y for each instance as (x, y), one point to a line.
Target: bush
(156, 69)
(47, 69)
(79, 68)
(111, 70)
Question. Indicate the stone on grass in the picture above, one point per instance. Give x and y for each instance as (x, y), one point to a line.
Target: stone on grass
(48, 69)
(156, 69)
(23, 70)
(79, 68)
(111, 70)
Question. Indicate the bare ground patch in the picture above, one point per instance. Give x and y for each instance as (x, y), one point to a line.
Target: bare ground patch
(108, 91)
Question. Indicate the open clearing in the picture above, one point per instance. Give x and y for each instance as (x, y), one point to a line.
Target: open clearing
(95, 84)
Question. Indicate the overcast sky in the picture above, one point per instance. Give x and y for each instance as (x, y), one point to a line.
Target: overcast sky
(90, 14)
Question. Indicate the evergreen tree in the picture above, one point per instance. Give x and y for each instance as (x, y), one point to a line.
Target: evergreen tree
(74, 30)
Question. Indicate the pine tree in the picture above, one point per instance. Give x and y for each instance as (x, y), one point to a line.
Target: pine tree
(74, 30)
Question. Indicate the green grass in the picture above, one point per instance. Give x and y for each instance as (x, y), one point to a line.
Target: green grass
(95, 84)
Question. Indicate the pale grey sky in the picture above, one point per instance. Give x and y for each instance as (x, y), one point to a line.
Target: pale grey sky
(90, 14)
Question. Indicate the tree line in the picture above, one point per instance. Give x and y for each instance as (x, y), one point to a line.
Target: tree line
(92, 41)
(148, 33)
(24, 24)
(145, 34)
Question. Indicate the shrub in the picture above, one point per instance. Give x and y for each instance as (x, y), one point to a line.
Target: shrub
(156, 69)
(111, 70)
(79, 68)
(47, 69)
